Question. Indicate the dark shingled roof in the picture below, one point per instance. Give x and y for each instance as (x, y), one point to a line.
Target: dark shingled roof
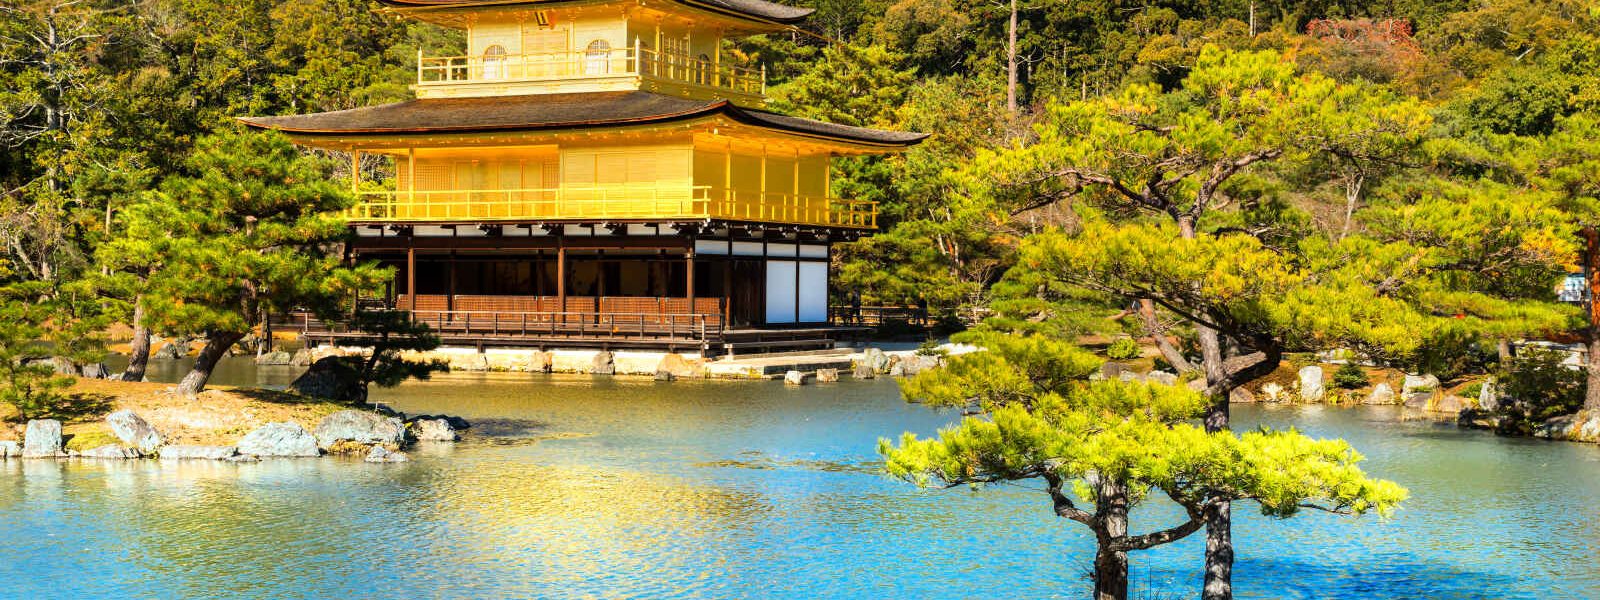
(760, 9)
(555, 111)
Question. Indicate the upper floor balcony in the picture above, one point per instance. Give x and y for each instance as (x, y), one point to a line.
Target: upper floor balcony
(597, 68)
(612, 202)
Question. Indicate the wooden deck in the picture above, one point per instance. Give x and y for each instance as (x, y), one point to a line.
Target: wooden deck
(704, 333)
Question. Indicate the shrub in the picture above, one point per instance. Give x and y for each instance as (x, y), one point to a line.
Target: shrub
(930, 347)
(1123, 349)
(1350, 376)
(1536, 386)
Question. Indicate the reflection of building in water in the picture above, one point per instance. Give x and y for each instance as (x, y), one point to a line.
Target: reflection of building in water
(601, 172)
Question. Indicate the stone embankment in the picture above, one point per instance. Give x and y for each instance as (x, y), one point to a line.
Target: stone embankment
(379, 435)
(818, 367)
(1313, 384)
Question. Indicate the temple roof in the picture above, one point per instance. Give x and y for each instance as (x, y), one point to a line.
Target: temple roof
(556, 111)
(760, 9)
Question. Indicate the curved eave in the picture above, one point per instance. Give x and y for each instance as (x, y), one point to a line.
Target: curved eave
(801, 13)
(762, 120)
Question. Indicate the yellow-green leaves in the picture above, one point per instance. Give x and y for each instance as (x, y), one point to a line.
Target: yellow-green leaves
(1053, 421)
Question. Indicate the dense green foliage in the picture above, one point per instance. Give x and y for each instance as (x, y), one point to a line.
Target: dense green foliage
(1534, 386)
(1111, 444)
(1350, 376)
(1123, 349)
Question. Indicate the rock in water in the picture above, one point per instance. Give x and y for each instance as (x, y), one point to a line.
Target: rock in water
(42, 439)
(279, 439)
(1381, 394)
(678, 367)
(794, 378)
(110, 451)
(1311, 384)
(434, 430)
(331, 377)
(134, 431)
(172, 350)
(1273, 392)
(275, 358)
(863, 370)
(9, 449)
(198, 452)
(96, 371)
(603, 364)
(827, 375)
(379, 454)
(876, 360)
(361, 427)
(301, 358)
(1582, 426)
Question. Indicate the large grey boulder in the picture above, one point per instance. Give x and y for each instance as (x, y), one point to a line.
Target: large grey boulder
(1161, 377)
(275, 358)
(42, 439)
(604, 363)
(908, 365)
(1381, 394)
(183, 452)
(172, 350)
(113, 451)
(380, 454)
(279, 439)
(1582, 426)
(301, 358)
(434, 430)
(1419, 384)
(9, 449)
(332, 377)
(134, 431)
(1311, 389)
(361, 427)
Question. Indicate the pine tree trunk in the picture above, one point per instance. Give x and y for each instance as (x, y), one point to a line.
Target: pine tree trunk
(1011, 61)
(1591, 390)
(217, 345)
(139, 348)
(1219, 553)
(1111, 564)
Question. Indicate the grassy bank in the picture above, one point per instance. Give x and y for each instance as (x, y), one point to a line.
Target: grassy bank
(219, 416)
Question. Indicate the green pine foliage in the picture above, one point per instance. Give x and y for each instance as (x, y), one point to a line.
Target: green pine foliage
(1102, 447)
(1123, 349)
(1350, 376)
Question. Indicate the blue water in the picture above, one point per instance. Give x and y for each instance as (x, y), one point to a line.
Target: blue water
(580, 487)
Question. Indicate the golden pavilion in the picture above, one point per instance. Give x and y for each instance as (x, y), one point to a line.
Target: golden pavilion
(600, 173)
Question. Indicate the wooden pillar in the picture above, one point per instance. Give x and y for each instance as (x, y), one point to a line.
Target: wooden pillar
(411, 273)
(450, 295)
(411, 179)
(688, 261)
(355, 170)
(561, 272)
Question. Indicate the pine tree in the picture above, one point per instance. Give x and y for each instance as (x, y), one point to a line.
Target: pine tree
(1111, 444)
(251, 229)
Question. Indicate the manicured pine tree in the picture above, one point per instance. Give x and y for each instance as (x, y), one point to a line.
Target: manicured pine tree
(251, 228)
(1104, 447)
(1157, 180)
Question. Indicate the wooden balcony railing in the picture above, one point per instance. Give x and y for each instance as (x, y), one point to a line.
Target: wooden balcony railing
(645, 201)
(634, 61)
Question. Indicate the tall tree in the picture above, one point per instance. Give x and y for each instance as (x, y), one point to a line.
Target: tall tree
(253, 228)
(1177, 156)
(1112, 444)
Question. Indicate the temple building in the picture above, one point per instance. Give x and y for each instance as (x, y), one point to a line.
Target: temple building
(599, 173)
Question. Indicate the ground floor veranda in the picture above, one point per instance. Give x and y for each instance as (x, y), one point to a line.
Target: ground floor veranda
(713, 288)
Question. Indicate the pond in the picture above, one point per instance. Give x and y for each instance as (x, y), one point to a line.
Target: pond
(572, 486)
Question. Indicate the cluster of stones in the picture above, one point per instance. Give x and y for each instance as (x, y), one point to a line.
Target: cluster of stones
(380, 435)
(871, 364)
